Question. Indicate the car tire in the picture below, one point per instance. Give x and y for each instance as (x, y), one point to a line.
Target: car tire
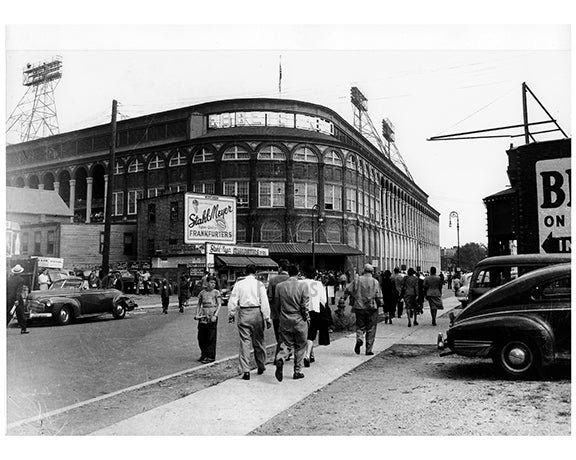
(63, 316)
(119, 311)
(517, 359)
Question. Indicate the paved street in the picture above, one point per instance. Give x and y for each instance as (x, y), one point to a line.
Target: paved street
(54, 367)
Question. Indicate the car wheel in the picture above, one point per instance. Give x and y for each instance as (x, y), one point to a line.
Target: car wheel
(119, 311)
(64, 316)
(517, 359)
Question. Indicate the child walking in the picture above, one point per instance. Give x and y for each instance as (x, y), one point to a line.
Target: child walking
(209, 301)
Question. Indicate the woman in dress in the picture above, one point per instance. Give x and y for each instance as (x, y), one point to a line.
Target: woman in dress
(433, 293)
(209, 302)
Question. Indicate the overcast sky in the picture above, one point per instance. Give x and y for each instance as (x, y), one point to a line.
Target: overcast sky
(428, 80)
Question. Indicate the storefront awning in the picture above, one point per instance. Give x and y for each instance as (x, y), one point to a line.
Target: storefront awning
(324, 249)
(244, 261)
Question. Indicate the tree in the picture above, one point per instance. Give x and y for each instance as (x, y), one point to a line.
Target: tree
(471, 254)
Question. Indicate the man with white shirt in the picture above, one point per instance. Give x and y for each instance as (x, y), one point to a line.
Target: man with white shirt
(249, 302)
(318, 298)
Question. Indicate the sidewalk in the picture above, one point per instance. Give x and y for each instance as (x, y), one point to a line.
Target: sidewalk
(237, 407)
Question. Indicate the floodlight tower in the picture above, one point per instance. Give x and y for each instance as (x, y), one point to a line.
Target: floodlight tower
(35, 115)
(363, 123)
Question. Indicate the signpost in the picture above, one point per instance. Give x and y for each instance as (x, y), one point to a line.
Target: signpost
(553, 178)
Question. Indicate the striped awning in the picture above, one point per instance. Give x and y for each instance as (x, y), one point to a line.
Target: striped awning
(244, 261)
(325, 249)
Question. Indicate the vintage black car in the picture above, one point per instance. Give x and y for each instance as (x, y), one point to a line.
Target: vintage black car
(524, 325)
(69, 299)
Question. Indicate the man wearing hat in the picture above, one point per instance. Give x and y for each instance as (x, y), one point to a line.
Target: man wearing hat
(367, 298)
(15, 293)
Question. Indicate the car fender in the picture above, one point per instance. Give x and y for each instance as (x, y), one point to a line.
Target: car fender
(59, 301)
(505, 326)
(121, 298)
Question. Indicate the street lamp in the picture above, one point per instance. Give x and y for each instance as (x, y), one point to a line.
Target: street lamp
(454, 214)
(320, 220)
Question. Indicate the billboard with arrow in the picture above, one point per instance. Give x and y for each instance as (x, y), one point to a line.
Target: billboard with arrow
(554, 180)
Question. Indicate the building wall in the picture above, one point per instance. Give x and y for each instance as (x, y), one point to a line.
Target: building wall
(383, 212)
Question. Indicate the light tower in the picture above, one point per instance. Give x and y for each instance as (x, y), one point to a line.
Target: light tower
(35, 115)
(363, 123)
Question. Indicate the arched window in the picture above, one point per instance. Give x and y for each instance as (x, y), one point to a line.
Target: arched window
(157, 162)
(271, 231)
(203, 156)
(352, 236)
(333, 233)
(235, 153)
(304, 232)
(118, 169)
(271, 152)
(351, 162)
(136, 166)
(305, 154)
(333, 158)
(177, 159)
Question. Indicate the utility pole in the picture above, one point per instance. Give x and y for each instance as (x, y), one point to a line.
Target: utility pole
(525, 113)
(108, 210)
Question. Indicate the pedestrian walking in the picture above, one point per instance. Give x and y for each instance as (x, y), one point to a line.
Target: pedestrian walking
(16, 293)
(317, 307)
(433, 293)
(294, 299)
(209, 302)
(389, 296)
(367, 298)
(184, 291)
(456, 283)
(397, 279)
(165, 295)
(275, 306)
(410, 295)
(249, 307)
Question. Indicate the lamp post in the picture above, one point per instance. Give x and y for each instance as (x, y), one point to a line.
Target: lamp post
(314, 209)
(454, 214)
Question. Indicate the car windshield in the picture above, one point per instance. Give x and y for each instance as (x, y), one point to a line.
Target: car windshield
(67, 284)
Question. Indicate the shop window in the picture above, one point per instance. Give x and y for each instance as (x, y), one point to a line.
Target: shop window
(50, 243)
(24, 242)
(37, 242)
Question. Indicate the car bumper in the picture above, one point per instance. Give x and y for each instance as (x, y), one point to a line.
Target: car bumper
(32, 315)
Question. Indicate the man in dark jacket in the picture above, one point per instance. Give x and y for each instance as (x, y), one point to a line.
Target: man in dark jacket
(16, 292)
(274, 306)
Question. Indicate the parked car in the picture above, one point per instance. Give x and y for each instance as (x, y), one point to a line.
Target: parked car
(522, 326)
(68, 299)
(265, 276)
(495, 271)
(462, 292)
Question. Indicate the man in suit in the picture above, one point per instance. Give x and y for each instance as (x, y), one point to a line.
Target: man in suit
(293, 297)
(16, 292)
(274, 306)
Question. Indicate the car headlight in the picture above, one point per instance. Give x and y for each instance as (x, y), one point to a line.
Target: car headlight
(48, 303)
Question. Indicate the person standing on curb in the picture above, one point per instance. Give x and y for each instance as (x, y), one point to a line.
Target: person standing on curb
(165, 296)
(433, 292)
(294, 298)
(16, 292)
(274, 307)
(249, 302)
(367, 298)
(209, 302)
(410, 294)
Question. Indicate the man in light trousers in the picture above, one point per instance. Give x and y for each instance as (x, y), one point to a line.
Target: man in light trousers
(249, 302)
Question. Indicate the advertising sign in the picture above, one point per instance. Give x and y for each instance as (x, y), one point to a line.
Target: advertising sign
(237, 250)
(209, 219)
(553, 178)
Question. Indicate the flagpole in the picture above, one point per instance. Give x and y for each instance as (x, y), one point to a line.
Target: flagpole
(280, 76)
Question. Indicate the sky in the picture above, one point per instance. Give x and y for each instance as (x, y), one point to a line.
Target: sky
(428, 80)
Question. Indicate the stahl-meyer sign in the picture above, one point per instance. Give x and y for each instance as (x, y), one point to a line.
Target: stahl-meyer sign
(209, 219)
(553, 179)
